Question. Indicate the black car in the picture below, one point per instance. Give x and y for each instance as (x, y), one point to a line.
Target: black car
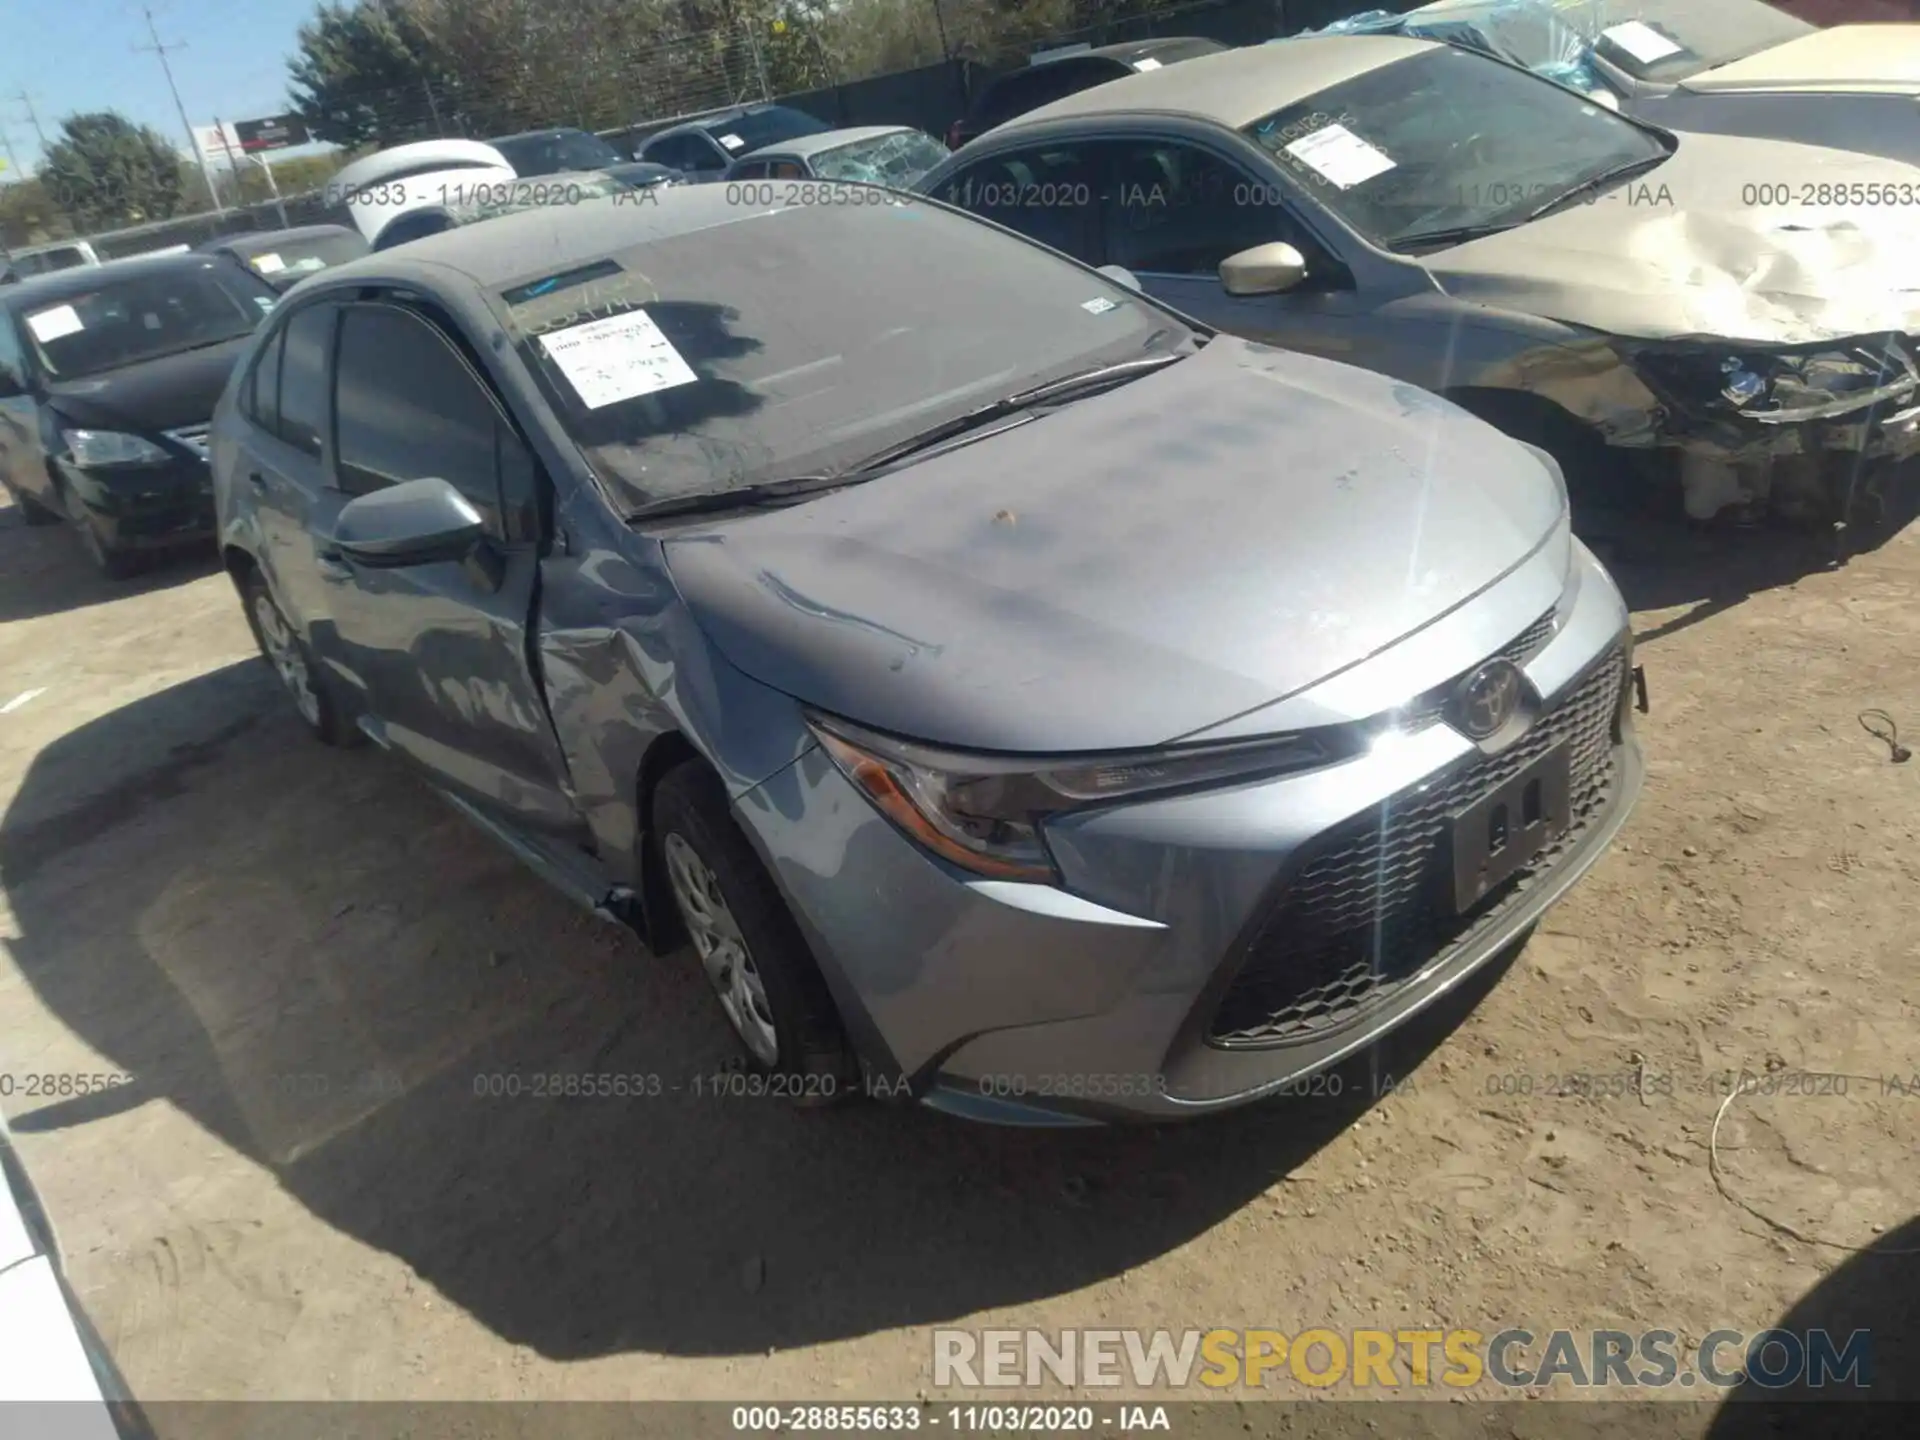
(108, 378)
(564, 151)
(703, 149)
(283, 258)
(1054, 77)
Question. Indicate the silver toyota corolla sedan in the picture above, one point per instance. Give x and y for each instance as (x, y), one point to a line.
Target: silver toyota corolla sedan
(1024, 698)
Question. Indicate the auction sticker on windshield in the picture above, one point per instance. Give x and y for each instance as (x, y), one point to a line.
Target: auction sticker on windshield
(1340, 156)
(50, 325)
(732, 142)
(269, 264)
(1642, 41)
(619, 358)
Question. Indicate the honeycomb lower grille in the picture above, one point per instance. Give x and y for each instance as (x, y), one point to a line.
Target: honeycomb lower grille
(1368, 912)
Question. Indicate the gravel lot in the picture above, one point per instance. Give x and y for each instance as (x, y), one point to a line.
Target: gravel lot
(300, 961)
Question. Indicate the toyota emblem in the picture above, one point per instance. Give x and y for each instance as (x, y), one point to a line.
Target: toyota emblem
(1488, 699)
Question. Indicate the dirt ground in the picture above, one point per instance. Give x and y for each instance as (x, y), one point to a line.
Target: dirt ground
(300, 961)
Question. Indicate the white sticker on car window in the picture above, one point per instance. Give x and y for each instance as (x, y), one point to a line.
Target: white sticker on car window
(619, 358)
(52, 324)
(1340, 156)
(1642, 41)
(732, 142)
(1098, 307)
(1147, 64)
(269, 264)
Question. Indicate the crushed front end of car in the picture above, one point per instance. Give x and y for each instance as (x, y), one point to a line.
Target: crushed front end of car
(1807, 432)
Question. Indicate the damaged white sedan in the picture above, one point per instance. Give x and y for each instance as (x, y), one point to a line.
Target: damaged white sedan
(1729, 319)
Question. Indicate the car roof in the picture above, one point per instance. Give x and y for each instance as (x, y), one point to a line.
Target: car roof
(78, 281)
(809, 145)
(1127, 50)
(1237, 87)
(267, 239)
(549, 133)
(550, 238)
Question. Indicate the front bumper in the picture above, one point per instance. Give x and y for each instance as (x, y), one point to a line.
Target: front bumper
(1205, 950)
(145, 507)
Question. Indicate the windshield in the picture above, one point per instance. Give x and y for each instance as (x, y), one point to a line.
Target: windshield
(290, 260)
(1445, 139)
(508, 197)
(898, 159)
(805, 339)
(1666, 41)
(741, 134)
(127, 320)
(562, 150)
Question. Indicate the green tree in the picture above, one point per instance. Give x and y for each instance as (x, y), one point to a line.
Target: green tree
(104, 170)
(368, 73)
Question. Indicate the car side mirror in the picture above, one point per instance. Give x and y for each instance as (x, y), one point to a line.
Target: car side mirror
(420, 522)
(1268, 269)
(1120, 275)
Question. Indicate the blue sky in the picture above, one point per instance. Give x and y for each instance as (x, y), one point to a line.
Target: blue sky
(77, 55)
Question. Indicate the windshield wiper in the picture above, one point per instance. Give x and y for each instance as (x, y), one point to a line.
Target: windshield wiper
(740, 497)
(1625, 171)
(779, 492)
(1453, 235)
(1068, 387)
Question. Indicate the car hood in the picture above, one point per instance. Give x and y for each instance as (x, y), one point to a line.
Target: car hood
(164, 394)
(1690, 249)
(1133, 568)
(1862, 59)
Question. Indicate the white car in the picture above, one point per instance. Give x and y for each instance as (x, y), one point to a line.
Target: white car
(1727, 67)
(378, 189)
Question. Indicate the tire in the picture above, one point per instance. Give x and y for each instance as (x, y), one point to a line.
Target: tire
(772, 992)
(287, 654)
(32, 511)
(113, 563)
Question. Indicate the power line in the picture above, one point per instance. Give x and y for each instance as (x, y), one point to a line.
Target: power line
(161, 50)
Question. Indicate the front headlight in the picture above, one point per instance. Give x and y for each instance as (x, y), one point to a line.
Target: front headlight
(1777, 386)
(97, 449)
(983, 813)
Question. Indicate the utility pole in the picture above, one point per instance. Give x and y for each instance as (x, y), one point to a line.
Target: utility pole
(33, 119)
(206, 171)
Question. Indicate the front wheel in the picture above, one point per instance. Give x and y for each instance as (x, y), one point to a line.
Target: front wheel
(288, 656)
(31, 510)
(748, 945)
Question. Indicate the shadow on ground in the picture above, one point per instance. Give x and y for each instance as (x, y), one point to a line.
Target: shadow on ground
(1876, 1291)
(320, 963)
(43, 570)
(1661, 561)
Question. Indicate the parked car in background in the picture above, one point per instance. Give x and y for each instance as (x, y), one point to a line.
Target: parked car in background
(283, 258)
(956, 664)
(890, 155)
(380, 188)
(32, 260)
(1732, 67)
(566, 151)
(1066, 72)
(492, 199)
(702, 149)
(108, 379)
(1592, 284)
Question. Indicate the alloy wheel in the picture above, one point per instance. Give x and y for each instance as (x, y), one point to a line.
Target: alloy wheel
(286, 656)
(722, 949)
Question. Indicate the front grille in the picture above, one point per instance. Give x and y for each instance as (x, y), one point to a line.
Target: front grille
(1369, 910)
(194, 437)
